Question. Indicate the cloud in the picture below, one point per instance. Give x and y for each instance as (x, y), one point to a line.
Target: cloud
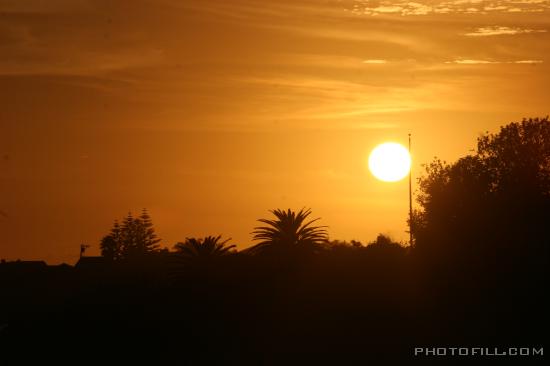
(72, 39)
(530, 1)
(375, 62)
(86, 63)
(44, 7)
(501, 30)
(388, 9)
(424, 7)
(471, 62)
(486, 62)
(216, 62)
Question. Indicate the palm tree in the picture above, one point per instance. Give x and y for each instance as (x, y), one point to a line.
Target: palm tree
(208, 247)
(289, 230)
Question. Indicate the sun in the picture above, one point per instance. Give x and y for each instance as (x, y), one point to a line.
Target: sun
(390, 162)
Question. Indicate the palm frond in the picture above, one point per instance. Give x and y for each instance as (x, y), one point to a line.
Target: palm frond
(210, 246)
(289, 229)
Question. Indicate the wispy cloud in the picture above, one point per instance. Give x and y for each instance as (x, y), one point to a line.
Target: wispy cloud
(375, 62)
(279, 60)
(471, 62)
(423, 7)
(91, 63)
(45, 7)
(486, 62)
(500, 30)
(342, 104)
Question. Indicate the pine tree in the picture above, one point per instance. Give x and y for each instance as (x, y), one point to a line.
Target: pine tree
(134, 237)
(150, 238)
(111, 245)
(128, 236)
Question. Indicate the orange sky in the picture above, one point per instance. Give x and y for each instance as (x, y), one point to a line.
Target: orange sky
(209, 113)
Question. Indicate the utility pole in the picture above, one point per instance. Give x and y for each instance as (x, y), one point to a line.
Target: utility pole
(410, 199)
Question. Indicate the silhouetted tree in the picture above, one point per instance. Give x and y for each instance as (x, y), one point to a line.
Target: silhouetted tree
(208, 247)
(111, 245)
(383, 240)
(385, 246)
(498, 197)
(289, 230)
(150, 238)
(135, 237)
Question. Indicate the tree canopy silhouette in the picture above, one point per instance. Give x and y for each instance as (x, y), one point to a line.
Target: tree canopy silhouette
(497, 197)
(134, 237)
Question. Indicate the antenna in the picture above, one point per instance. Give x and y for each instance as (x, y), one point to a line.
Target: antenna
(410, 199)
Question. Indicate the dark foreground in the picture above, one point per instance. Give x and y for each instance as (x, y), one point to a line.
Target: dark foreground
(338, 307)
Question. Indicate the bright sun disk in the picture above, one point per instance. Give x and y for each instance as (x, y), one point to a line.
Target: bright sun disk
(390, 162)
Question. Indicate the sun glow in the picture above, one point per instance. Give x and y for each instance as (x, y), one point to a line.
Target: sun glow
(390, 162)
